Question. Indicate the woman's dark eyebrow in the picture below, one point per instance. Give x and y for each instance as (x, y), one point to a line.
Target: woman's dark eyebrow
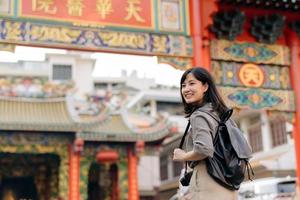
(187, 82)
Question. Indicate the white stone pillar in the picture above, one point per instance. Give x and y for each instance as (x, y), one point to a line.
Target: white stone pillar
(265, 131)
(244, 125)
(153, 108)
(289, 130)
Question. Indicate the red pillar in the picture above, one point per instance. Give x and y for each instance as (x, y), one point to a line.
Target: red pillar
(133, 190)
(74, 178)
(200, 20)
(195, 22)
(295, 78)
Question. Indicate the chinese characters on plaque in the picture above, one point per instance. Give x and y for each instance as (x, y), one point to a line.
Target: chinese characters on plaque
(140, 14)
(251, 75)
(133, 13)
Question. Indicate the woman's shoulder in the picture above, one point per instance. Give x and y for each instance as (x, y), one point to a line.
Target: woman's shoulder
(204, 119)
(205, 111)
(209, 116)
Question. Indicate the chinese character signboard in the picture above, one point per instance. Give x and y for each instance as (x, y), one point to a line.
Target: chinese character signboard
(151, 15)
(130, 13)
(144, 27)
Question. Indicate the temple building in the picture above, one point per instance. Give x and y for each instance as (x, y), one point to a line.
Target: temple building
(53, 137)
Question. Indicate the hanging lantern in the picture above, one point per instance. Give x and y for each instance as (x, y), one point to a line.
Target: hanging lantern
(107, 156)
(78, 145)
(173, 128)
(140, 146)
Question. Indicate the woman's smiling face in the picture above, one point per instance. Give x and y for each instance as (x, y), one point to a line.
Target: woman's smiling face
(193, 90)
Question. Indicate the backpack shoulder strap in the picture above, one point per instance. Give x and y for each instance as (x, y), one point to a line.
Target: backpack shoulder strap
(224, 117)
(184, 135)
(181, 144)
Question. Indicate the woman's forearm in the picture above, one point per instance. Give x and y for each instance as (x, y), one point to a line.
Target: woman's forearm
(193, 156)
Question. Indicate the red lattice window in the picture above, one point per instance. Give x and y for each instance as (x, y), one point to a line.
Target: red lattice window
(255, 137)
(164, 168)
(278, 131)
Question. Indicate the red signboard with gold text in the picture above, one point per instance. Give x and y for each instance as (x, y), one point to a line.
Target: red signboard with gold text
(131, 13)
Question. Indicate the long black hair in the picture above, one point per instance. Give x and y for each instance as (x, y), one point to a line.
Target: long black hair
(210, 96)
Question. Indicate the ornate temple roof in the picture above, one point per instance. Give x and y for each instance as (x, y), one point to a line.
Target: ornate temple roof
(36, 114)
(116, 127)
(59, 115)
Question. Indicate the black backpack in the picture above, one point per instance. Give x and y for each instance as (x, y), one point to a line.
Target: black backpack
(231, 154)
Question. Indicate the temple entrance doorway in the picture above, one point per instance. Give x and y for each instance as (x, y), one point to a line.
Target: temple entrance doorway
(18, 188)
(28, 176)
(103, 182)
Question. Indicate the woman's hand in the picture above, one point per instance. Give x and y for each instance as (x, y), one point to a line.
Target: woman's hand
(179, 155)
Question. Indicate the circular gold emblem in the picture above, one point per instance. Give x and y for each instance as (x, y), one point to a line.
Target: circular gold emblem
(251, 75)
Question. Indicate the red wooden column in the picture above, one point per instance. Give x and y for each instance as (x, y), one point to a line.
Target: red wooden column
(200, 19)
(195, 23)
(133, 190)
(295, 78)
(74, 178)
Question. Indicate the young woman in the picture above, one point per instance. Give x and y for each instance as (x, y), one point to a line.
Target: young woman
(198, 92)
